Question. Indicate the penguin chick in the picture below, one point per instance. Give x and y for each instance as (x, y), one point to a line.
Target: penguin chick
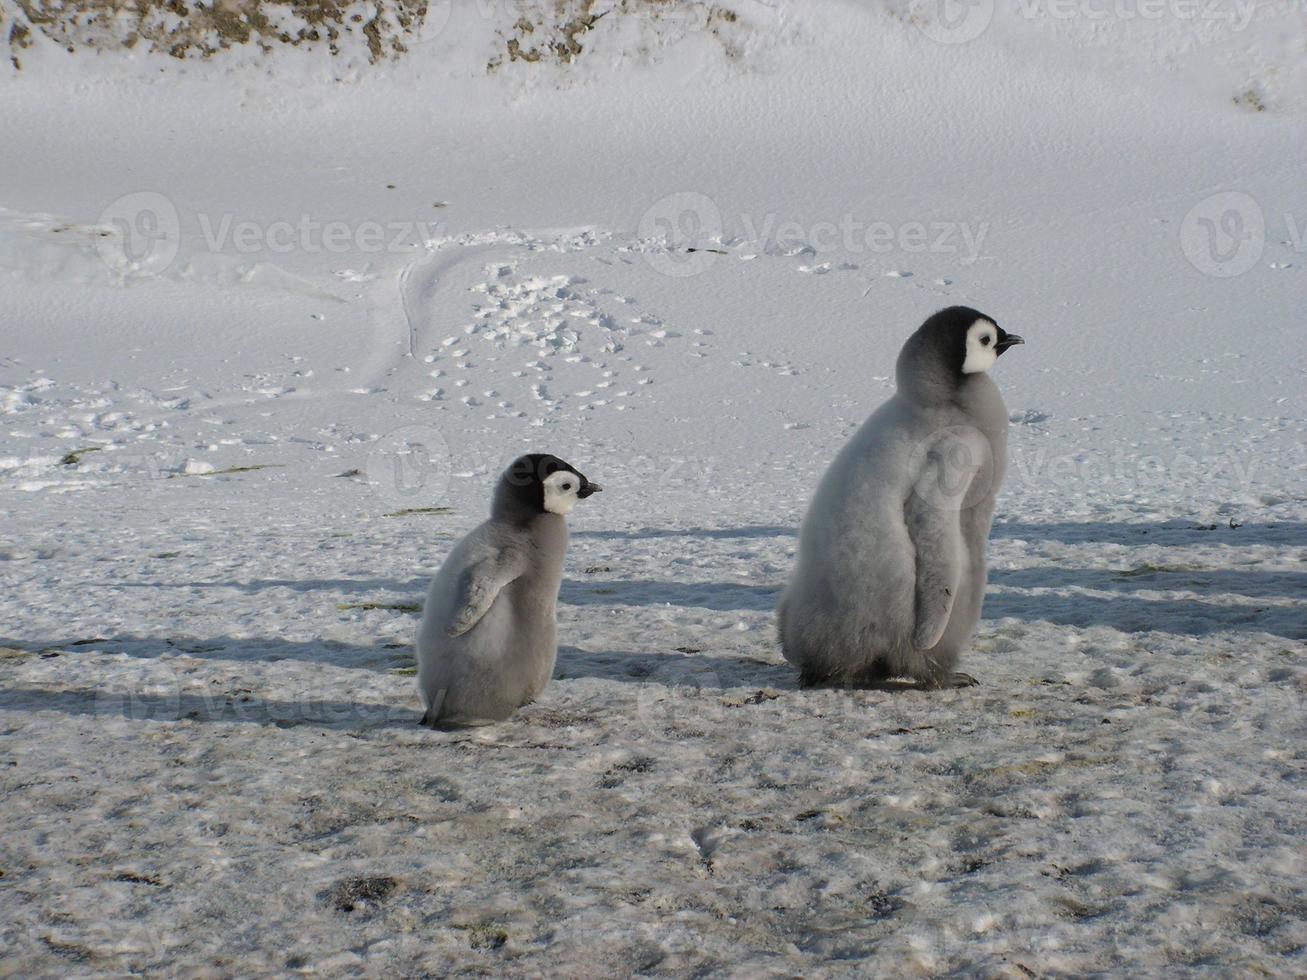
(488, 642)
(891, 567)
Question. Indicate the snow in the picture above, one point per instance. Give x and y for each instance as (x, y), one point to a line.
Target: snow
(209, 756)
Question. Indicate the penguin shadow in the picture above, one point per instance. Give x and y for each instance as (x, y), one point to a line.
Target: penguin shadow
(637, 534)
(145, 697)
(1173, 532)
(1252, 583)
(686, 667)
(120, 703)
(417, 586)
(382, 658)
(148, 697)
(717, 596)
(1209, 610)
(1286, 533)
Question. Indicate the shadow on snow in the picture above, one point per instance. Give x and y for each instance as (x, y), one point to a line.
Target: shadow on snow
(1173, 532)
(1194, 615)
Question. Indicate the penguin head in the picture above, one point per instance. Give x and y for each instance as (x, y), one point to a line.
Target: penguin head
(949, 346)
(539, 483)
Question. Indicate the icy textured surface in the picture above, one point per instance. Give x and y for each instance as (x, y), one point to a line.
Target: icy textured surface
(209, 756)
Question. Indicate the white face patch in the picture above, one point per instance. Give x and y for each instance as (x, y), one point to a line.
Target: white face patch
(560, 492)
(982, 336)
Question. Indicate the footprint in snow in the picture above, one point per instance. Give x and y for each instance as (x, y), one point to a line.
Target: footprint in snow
(1029, 417)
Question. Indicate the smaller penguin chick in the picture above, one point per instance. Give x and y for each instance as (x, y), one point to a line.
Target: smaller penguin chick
(488, 638)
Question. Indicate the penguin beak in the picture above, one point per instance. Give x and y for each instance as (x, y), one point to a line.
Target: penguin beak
(588, 488)
(1007, 340)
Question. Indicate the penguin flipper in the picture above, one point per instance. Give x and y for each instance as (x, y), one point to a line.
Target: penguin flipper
(933, 516)
(481, 584)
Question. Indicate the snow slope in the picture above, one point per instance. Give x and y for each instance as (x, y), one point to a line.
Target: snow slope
(271, 327)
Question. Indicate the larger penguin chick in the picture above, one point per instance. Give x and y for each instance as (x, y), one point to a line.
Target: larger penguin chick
(891, 567)
(488, 641)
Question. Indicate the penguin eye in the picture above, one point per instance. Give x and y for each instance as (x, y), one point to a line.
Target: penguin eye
(986, 340)
(567, 486)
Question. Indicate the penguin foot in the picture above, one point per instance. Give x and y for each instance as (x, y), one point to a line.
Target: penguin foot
(453, 724)
(812, 678)
(878, 678)
(948, 682)
(891, 684)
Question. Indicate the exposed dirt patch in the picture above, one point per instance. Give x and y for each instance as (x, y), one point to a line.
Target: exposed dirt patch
(186, 30)
(360, 894)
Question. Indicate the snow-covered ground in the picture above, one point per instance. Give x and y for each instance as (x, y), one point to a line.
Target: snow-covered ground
(270, 329)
